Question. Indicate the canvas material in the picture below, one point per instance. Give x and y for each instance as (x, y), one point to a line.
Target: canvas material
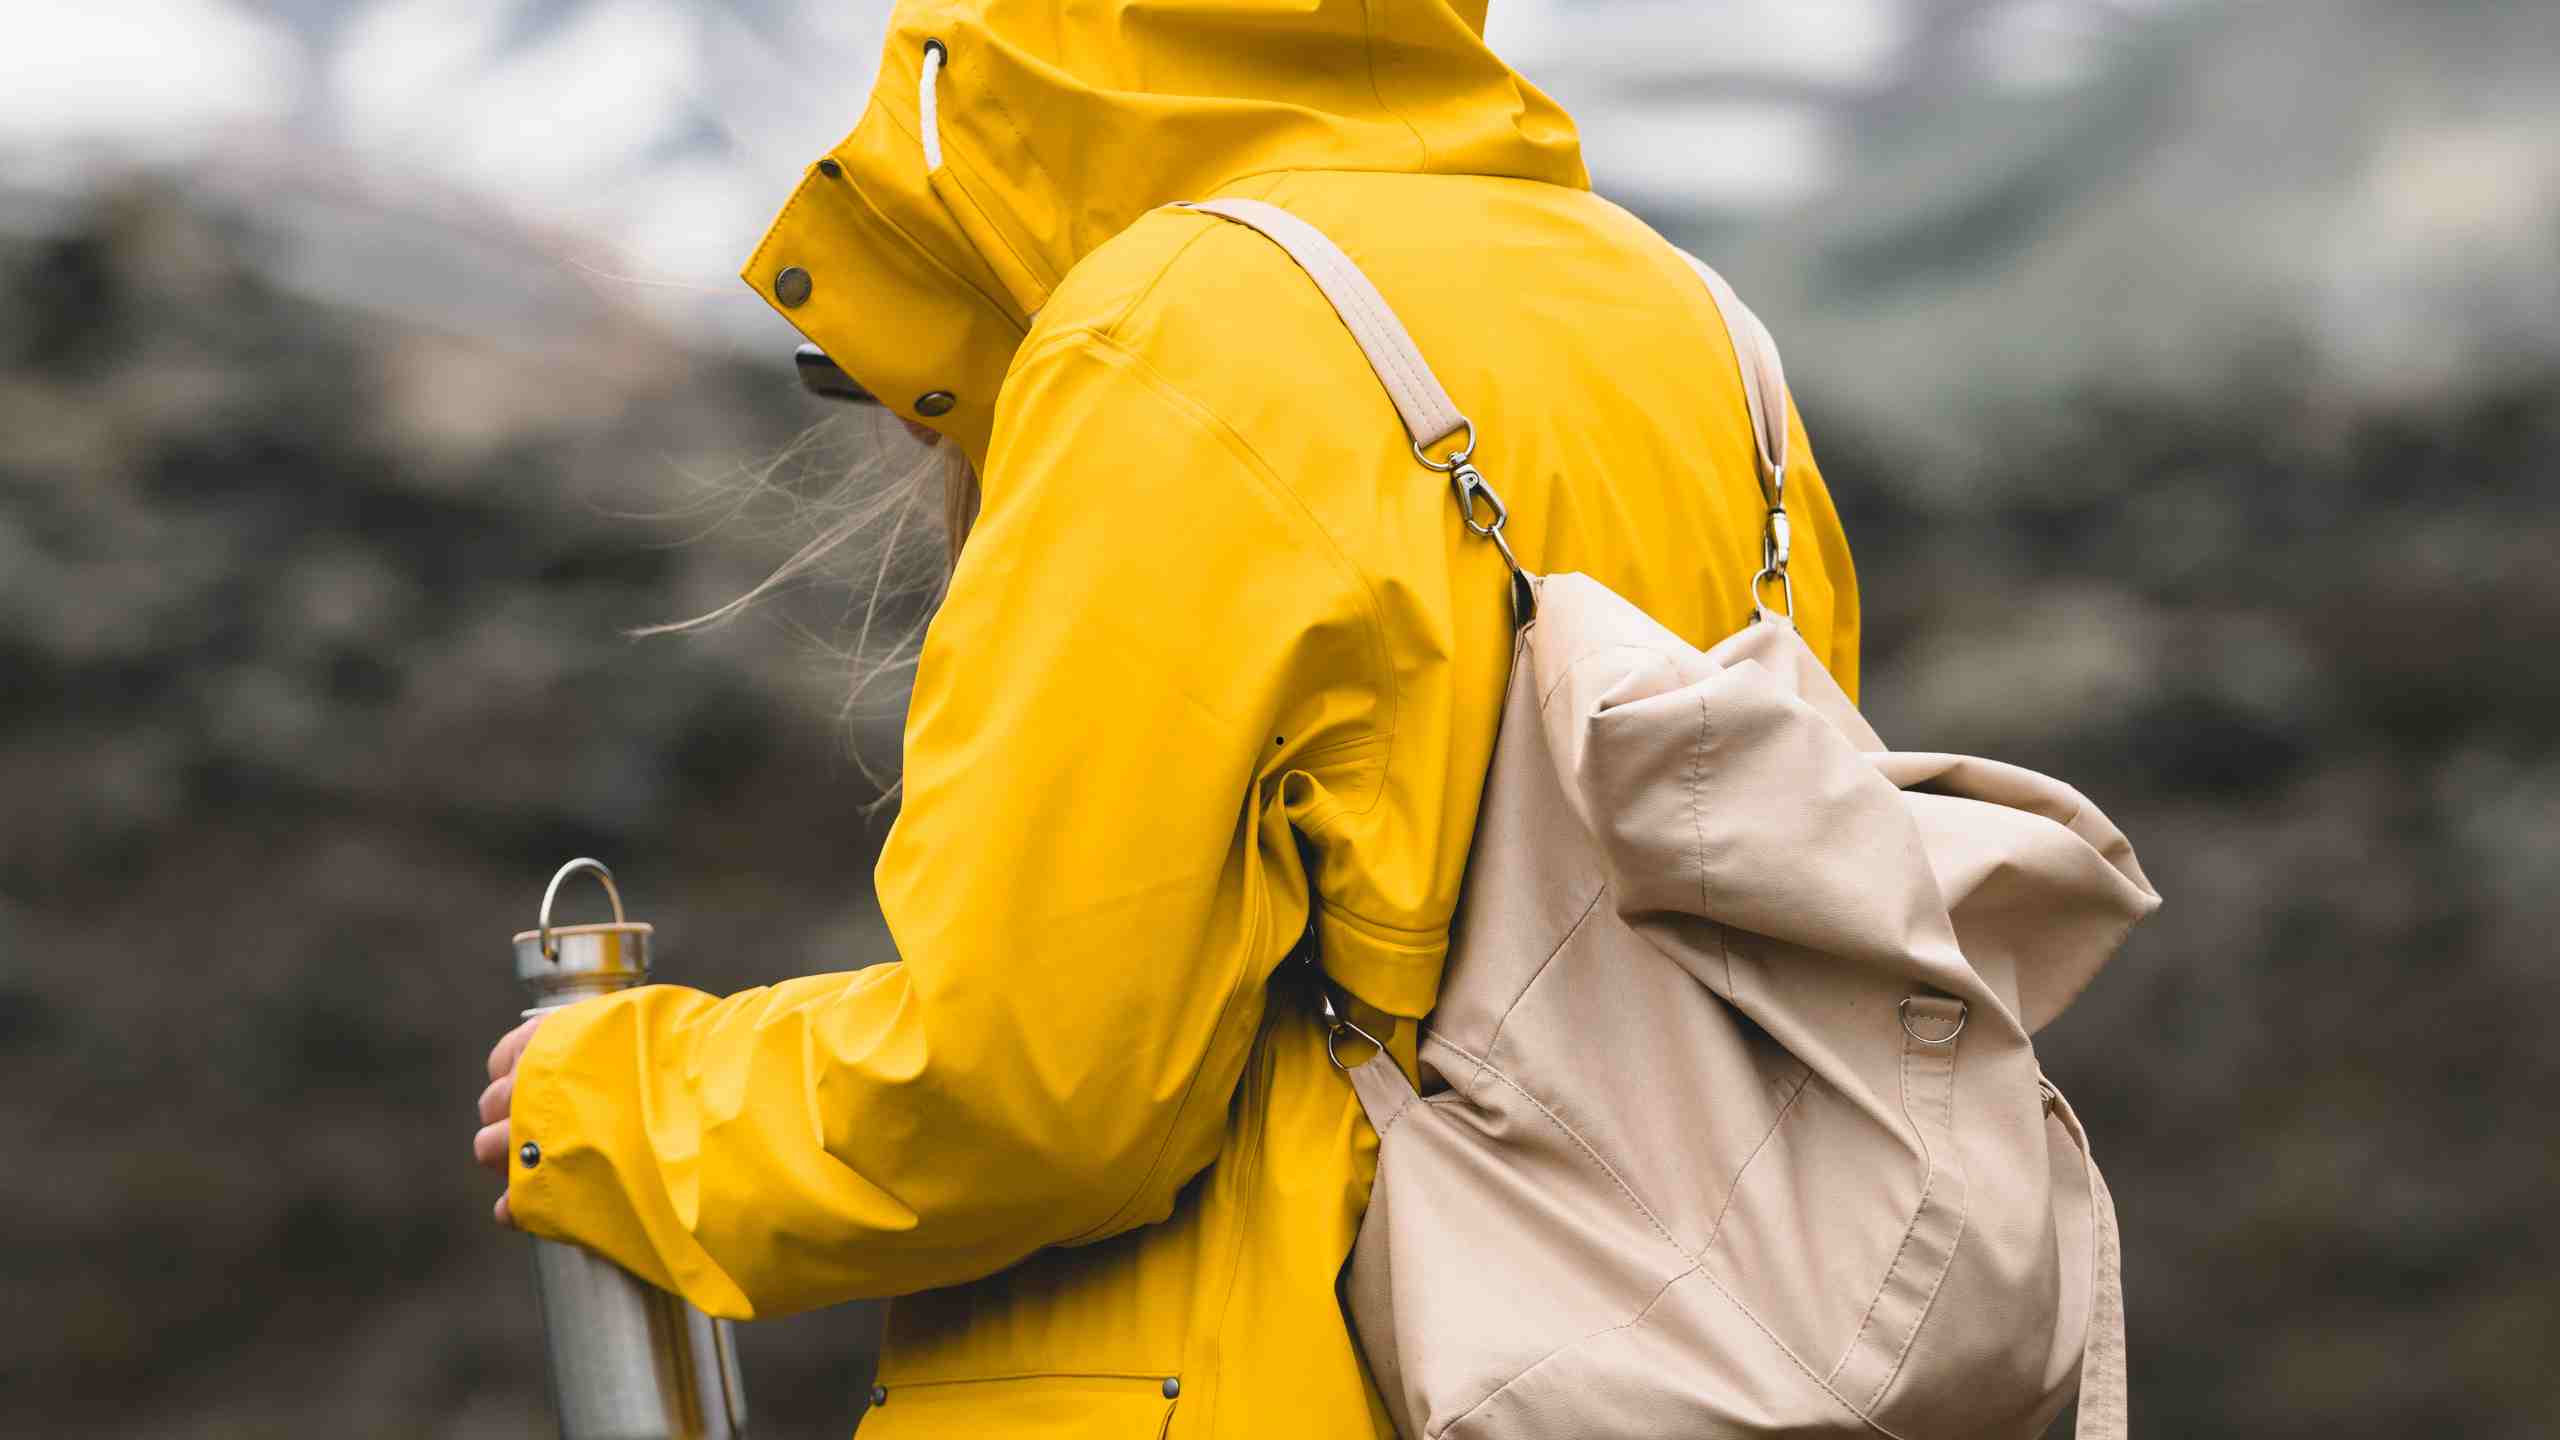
(1683, 1159)
(1730, 1122)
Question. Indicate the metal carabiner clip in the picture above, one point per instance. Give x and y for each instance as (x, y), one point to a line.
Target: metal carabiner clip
(1469, 482)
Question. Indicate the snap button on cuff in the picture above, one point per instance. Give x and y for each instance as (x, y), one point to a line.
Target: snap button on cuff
(1172, 1387)
(829, 168)
(879, 1395)
(531, 1154)
(936, 402)
(792, 287)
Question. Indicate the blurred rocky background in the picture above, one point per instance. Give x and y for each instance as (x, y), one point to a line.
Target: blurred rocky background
(2189, 375)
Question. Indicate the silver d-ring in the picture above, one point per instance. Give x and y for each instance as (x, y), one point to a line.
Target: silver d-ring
(1964, 1012)
(1335, 1034)
(1460, 457)
(1335, 1022)
(550, 948)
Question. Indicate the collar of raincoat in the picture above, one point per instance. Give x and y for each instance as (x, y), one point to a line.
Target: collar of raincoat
(1056, 126)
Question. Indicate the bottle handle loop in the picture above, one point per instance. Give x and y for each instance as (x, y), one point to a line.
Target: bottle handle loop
(551, 947)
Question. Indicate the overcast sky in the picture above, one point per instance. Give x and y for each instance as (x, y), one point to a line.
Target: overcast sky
(670, 129)
(2380, 177)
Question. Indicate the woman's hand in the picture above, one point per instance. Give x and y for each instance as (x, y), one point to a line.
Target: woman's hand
(491, 1144)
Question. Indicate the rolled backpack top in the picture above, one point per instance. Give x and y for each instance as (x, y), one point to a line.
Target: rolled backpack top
(1729, 1122)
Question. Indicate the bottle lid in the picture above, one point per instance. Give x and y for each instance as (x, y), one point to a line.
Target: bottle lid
(562, 963)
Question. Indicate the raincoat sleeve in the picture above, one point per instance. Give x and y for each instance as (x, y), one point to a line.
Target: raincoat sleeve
(1090, 881)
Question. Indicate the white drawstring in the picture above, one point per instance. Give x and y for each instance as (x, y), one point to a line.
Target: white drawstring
(928, 118)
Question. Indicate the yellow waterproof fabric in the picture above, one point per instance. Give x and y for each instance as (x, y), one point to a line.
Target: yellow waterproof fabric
(1214, 619)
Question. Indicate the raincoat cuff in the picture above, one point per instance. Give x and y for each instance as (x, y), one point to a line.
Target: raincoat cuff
(562, 1182)
(534, 1134)
(1394, 969)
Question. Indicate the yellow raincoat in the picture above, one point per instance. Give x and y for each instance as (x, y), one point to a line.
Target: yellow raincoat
(1217, 644)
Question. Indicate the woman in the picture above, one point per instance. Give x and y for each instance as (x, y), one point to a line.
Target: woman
(1218, 664)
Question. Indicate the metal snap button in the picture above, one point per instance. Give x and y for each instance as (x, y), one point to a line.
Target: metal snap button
(1172, 1387)
(531, 1154)
(792, 287)
(936, 402)
(879, 1395)
(829, 168)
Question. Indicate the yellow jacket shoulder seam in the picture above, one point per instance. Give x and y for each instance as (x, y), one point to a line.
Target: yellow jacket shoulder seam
(1109, 349)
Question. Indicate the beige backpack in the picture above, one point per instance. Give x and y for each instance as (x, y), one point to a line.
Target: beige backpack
(1730, 1123)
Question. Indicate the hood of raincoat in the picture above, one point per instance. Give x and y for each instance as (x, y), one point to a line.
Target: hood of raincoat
(1007, 139)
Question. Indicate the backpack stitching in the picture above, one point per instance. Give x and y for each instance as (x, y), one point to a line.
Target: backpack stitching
(1533, 1366)
(1733, 1187)
(1963, 1220)
(1698, 823)
(1488, 1067)
(1396, 1114)
(1748, 1314)
(1494, 1040)
(1911, 1228)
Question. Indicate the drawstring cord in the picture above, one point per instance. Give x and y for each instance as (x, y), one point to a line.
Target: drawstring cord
(928, 114)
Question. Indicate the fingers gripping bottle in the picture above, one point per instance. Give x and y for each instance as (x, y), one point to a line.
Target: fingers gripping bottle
(628, 1361)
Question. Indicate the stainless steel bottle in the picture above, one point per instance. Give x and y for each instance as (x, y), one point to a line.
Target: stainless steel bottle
(628, 1361)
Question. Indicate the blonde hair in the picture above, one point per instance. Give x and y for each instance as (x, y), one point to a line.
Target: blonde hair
(869, 520)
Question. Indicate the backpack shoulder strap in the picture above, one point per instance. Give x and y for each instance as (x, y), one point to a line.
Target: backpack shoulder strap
(1429, 415)
(1764, 376)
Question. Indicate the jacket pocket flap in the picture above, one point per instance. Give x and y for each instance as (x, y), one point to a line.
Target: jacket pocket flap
(1034, 1407)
